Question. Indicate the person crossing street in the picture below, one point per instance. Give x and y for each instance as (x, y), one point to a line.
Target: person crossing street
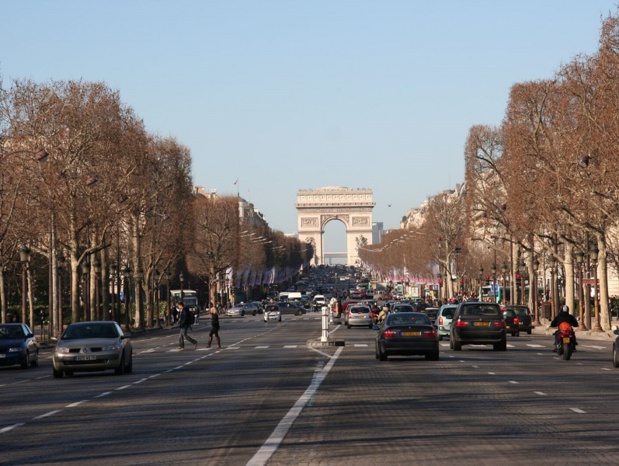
(214, 327)
(184, 322)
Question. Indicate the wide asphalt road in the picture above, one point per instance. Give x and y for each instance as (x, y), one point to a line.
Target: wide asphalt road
(269, 398)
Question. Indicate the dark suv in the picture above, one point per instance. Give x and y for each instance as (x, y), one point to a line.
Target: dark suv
(478, 323)
(523, 313)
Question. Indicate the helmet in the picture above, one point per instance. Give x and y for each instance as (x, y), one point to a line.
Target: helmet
(565, 308)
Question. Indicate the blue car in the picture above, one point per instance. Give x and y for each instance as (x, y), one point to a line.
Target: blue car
(18, 345)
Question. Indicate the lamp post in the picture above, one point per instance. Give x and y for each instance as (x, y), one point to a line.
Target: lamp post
(494, 284)
(56, 321)
(157, 280)
(593, 254)
(168, 314)
(481, 282)
(503, 274)
(97, 310)
(181, 278)
(553, 287)
(580, 258)
(521, 270)
(533, 283)
(126, 273)
(85, 288)
(139, 276)
(24, 258)
(113, 271)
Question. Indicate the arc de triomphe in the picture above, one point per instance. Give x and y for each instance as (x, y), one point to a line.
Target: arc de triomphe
(353, 207)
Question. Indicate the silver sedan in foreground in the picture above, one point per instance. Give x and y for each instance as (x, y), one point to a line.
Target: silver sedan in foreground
(93, 346)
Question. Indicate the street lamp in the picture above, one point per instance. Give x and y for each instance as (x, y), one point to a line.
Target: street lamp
(139, 276)
(593, 254)
(503, 273)
(580, 258)
(126, 273)
(181, 278)
(97, 310)
(24, 258)
(85, 289)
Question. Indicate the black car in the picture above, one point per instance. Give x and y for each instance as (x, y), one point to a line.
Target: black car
(511, 322)
(407, 334)
(478, 323)
(18, 345)
(616, 350)
(290, 308)
(525, 323)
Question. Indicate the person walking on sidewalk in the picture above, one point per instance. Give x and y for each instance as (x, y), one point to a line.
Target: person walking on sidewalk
(185, 320)
(214, 327)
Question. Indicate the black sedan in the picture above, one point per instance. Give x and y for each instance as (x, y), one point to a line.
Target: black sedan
(18, 345)
(407, 334)
(478, 323)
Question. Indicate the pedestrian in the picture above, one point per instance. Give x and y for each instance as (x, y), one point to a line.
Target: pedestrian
(196, 316)
(214, 327)
(184, 322)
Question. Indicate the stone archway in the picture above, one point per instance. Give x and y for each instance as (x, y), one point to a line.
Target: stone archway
(353, 207)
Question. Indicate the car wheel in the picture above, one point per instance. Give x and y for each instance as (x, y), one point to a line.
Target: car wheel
(432, 356)
(514, 334)
(35, 361)
(26, 362)
(120, 370)
(279, 320)
(382, 356)
(502, 346)
(457, 346)
(253, 313)
(528, 332)
(129, 368)
(242, 313)
(440, 338)
(615, 356)
(57, 374)
(348, 325)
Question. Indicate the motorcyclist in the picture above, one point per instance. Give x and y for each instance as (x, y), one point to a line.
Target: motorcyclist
(564, 316)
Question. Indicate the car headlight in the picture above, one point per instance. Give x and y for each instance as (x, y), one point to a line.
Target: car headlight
(113, 347)
(15, 349)
(62, 349)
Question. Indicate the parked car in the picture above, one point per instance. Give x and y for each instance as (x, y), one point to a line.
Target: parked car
(359, 315)
(92, 346)
(407, 334)
(525, 322)
(443, 320)
(478, 323)
(18, 345)
(511, 322)
(272, 313)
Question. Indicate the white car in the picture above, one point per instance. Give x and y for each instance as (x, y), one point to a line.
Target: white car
(318, 301)
(272, 312)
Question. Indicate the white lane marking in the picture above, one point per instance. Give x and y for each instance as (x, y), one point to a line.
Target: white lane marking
(152, 350)
(6, 429)
(290, 346)
(578, 410)
(540, 393)
(361, 345)
(594, 347)
(605, 369)
(234, 347)
(51, 413)
(277, 437)
(475, 367)
(123, 387)
(510, 346)
(514, 382)
(77, 403)
(262, 347)
(101, 395)
(535, 346)
(321, 352)
(491, 373)
(140, 381)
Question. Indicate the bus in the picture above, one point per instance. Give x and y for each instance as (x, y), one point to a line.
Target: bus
(190, 298)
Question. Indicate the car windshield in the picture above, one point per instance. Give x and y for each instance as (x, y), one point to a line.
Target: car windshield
(448, 312)
(75, 332)
(408, 319)
(10, 332)
(478, 310)
(522, 312)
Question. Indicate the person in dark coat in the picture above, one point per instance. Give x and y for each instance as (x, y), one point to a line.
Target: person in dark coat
(214, 327)
(185, 320)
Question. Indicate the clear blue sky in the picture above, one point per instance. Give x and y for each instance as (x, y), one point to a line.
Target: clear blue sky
(287, 95)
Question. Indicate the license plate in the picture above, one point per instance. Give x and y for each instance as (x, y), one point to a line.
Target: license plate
(85, 358)
(566, 339)
(411, 334)
(481, 324)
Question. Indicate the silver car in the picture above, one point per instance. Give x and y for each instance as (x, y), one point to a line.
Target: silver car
(93, 346)
(272, 313)
(443, 320)
(359, 316)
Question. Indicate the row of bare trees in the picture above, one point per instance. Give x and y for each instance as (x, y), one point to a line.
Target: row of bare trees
(541, 191)
(86, 189)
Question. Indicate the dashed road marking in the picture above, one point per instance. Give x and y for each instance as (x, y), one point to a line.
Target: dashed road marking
(578, 410)
(540, 393)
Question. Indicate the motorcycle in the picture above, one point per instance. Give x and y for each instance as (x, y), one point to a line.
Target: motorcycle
(565, 342)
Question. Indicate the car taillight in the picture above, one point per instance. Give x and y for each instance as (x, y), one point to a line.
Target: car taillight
(515, 320)
(389, 334)
(499, 324)
(431, 333)
(461, 324)
(440, 320)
